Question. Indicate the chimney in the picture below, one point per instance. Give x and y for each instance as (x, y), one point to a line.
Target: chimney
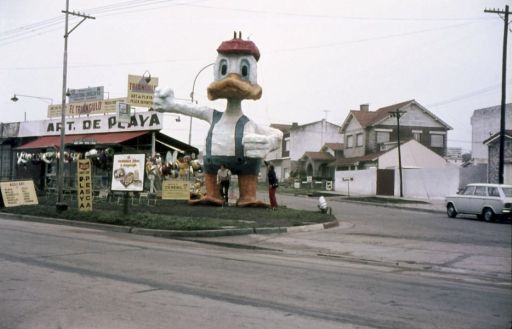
(295, 125)
(364, 107)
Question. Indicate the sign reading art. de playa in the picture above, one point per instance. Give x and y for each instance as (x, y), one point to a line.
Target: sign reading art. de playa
(92, 125)
(140, 92)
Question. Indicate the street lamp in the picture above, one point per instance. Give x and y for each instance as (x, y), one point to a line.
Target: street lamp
(192, 100)
(15, 99)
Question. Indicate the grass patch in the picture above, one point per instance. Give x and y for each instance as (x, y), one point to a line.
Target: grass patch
(176, 215)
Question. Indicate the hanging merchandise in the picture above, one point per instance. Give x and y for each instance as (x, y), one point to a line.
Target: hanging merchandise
(48, 157)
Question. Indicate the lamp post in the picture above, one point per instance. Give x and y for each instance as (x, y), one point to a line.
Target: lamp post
(60, 206)
(397, 114)
(15, 98)
(192, 99)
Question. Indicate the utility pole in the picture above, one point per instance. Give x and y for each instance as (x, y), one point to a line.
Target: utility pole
(397, 114)
(60, 169)
(506, 12)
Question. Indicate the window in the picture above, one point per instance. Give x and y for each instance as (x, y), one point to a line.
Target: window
(469, 190)
(436, 140)
(382, 137)
(359, 140)
(416, 135)
(350, 141)
(493, 191)
(287, 144)
(481, 191)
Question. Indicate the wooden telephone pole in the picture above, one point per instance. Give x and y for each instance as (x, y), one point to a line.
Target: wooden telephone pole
(505, 12)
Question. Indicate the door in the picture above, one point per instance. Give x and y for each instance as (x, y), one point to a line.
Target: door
(386, 182)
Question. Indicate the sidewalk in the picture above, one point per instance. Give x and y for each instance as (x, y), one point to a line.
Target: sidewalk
(483, 264)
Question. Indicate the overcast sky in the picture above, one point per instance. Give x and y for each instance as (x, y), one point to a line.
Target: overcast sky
(319, 59)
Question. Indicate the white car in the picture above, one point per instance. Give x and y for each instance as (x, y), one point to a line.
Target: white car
(486, 201)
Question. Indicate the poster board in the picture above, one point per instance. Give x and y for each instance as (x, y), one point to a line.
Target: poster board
(128, 173)
(84, 185)
(140, 91)
(175, 190)
(18, 193)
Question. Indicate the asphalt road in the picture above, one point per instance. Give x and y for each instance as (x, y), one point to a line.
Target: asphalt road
(65, 277)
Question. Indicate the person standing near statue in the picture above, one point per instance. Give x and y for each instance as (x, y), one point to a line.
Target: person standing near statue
(223, 179)
(272, 186)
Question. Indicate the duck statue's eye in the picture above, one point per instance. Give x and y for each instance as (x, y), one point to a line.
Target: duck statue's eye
(244, 69)
(223, 67)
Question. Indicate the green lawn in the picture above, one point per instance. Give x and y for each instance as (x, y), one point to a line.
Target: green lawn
(176, 215)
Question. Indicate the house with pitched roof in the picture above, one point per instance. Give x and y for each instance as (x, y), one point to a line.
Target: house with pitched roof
(316, 164)
(299, 139)
(367, 134)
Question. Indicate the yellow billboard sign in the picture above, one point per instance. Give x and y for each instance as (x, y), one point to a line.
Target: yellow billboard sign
(175, 190)
(140, 92)
(18, 193)
(84, 185)
(85, 108)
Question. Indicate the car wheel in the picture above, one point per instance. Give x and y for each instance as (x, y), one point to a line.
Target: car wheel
(488, 214)
(450, 211)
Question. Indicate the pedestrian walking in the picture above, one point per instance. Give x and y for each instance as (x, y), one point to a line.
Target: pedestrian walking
(223, 179)
(272, 186)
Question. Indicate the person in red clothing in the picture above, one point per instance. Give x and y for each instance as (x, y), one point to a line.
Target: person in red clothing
(272, 186)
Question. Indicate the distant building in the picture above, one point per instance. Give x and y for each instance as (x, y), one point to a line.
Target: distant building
(493, 144)
(484, 124)
(298, 139)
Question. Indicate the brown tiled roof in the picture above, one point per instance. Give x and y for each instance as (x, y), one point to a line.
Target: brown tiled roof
(335, 146)
(326, 156)
(383, 112)
(367, 118)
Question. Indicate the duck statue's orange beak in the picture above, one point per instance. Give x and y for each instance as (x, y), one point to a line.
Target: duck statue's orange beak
(233, 87)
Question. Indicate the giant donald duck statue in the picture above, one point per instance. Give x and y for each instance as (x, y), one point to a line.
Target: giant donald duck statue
(233, 139)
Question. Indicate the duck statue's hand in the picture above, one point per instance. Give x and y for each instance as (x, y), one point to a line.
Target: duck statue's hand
(256, 145)
(164, 100)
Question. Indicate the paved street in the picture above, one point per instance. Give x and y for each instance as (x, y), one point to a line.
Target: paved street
(67, 277)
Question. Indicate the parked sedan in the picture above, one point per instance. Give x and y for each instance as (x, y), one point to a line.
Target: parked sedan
(486, 201)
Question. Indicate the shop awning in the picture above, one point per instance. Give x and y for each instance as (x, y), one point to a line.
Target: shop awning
(84, 139)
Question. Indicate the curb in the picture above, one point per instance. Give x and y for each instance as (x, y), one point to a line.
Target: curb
(387, 205)
(171, 233)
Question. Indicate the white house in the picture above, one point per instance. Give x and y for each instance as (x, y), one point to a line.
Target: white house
(298, 139)
(425, 174)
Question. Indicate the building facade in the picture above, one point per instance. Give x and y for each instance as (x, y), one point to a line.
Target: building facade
(484, 124)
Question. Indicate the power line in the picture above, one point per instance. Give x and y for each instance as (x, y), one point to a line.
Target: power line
(342, 17)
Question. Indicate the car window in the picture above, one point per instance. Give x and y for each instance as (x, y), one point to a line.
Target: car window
(469, 190)
(481, 191)
(493, 191)
(508, 192)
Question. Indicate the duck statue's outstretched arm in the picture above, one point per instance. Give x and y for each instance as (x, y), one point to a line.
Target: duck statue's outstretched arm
(164, 101)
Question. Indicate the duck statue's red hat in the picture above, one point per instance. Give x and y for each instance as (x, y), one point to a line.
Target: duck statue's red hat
(239, 46)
